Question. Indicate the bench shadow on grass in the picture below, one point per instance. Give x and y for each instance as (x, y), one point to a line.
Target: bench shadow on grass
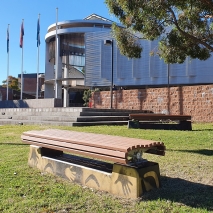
(184, 192)
(202, 130)
(207, 152)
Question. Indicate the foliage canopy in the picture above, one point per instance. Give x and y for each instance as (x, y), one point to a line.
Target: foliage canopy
(12, 83)
(182, 27)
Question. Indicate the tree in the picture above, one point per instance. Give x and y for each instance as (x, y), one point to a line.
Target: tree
(182, 27)
(12, 83)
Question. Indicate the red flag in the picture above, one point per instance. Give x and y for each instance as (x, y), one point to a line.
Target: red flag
(21, 35)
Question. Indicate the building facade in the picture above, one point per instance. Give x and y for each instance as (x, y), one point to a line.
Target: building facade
(77, 56)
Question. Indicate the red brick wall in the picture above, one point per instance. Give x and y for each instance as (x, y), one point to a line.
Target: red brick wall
(196, 101)
(3, 91)
(29, 85)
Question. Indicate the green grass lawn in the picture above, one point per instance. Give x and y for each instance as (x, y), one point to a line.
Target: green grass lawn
(186, 175)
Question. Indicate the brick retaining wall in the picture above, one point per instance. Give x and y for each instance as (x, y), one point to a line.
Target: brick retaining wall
(196, 101)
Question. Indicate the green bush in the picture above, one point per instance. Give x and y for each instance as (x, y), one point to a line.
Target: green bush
(87, 95)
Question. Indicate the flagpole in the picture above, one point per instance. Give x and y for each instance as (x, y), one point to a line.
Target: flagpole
(38, 45)
(22, 53)
(8, 33)
(56, 55)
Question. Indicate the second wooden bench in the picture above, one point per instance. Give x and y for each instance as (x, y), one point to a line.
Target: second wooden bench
(160, 121)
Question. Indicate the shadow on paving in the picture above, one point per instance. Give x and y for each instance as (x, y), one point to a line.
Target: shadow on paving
(182, 191)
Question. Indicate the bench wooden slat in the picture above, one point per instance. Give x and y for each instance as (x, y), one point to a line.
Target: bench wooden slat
(116, 143)
(152, 117)
(74, 146)
(79, 152)
(78, 138)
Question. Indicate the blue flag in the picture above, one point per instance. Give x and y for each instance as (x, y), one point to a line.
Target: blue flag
(8, 40)
(38, 33)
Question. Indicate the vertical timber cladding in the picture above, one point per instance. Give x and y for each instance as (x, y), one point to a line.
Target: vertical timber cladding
(98, 59)
(157, 69)
(98, 63)
(146, 71)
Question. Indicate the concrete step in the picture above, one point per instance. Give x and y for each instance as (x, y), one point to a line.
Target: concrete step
(60, 123)
(64, 111)
(74, 114)
(86, 109)
(70, 116)
(5, 117)
(93, 113)
(40, 111)
(34, 122)
(45, 118)
(102, 118)
(98, 123)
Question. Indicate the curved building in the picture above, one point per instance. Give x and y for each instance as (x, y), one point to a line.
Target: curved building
(85, 55)
(66, 55)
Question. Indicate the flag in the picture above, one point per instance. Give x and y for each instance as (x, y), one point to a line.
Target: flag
(21, 35)
(38, 32)
(8, 39)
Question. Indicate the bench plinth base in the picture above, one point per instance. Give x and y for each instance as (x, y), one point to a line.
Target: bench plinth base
(118, 179)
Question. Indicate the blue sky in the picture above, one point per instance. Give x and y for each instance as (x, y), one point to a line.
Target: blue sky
(12, 12)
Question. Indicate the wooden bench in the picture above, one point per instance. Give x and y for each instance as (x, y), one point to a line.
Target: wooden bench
(103, 147)
(160, 121)
(128, 174)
